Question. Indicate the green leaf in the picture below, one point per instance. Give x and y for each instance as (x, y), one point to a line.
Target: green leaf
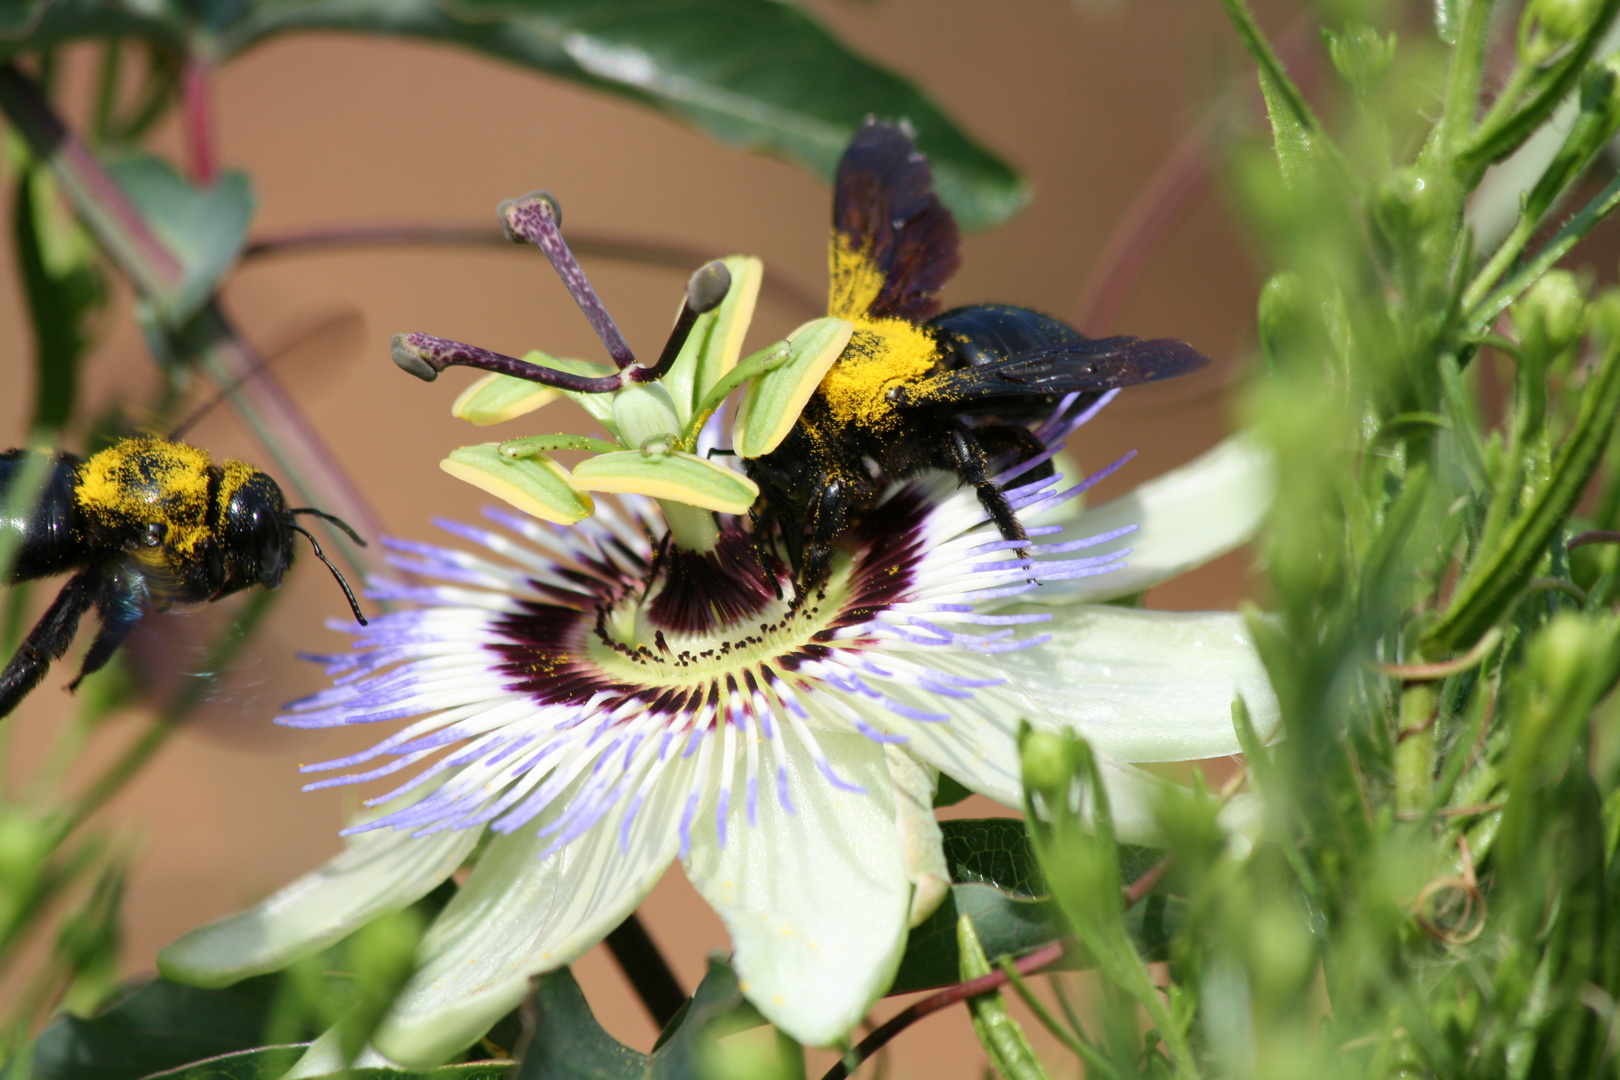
(750, 73)
(1497, 574)
(772, 403)
(535, 485)
(203, 227)
(1294, 126)
(158, 1026)
(65, 289)
(264, 1063)
(272, 1062)
(677, 477)
(998, 885)
(568, 1043)
(1001, 1036)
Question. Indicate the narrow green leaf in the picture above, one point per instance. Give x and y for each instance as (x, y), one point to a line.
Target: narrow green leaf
(676, 476)
(772, 403)
(1001, 1036)
(535, 485)
(1294, 127)
(65, 290)
(1499, 573)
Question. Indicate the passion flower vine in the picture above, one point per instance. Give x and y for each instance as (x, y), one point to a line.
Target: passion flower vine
(600, 690)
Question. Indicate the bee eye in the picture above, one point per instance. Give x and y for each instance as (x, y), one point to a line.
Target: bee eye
(154, 533)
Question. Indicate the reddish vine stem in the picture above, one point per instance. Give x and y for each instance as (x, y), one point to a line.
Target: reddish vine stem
(587, 245)
(1180, 179)
(196, 95)
(1026, 965)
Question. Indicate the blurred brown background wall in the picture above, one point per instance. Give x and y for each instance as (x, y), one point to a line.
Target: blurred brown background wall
(1087, 100)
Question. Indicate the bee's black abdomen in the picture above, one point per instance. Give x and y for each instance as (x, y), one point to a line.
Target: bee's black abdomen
(984, 333)
(47, 532)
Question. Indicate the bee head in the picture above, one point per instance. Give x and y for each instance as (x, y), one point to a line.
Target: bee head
(256, 530)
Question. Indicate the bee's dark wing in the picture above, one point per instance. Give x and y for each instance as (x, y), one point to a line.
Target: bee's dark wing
(894, 245)
(1084, 366)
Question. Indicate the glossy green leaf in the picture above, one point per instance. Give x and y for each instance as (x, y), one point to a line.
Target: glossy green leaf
(717, 338)
(677, 477)
(264, 1063)
(568, 1043)
(998, 884)
(203, 227)
(494, 399)
(158, 1026)
(757, 74)
(535, 485)
(771, 404)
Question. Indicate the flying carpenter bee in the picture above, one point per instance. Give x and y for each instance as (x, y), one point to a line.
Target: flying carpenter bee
(147, 524)
(918, 390)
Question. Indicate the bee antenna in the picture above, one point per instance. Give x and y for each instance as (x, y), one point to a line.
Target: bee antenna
(354, 605)
(257, 366)
(331, 519)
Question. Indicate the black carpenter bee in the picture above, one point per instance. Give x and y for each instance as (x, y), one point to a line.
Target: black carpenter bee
(147, 523)
(915, 389)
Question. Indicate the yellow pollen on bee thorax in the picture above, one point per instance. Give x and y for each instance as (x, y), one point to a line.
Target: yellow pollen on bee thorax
(136, 481)
(881, 355)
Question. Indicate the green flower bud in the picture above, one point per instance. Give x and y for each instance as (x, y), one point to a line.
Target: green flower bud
(1360, 55)
(1405, 205)
(1285, 318)
(1548, 25)
(1048, 765)
(1551, 315)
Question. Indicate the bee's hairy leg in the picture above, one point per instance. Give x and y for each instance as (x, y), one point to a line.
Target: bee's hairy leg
(119, 603)
(826, 518)
(49, 638)
(1021, 443)
(972, 465)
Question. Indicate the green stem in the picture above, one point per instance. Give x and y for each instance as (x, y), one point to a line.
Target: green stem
(1500, 571)
(1260, 50)
(1094, 1059)
(691, 527)
(1462, 79)
(1414, 752)
(112, 64)
(1485, 312)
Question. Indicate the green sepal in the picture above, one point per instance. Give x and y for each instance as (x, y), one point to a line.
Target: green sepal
(716, 339)
(676, 476)
(772, 403)
(535, 485)
(498, 398)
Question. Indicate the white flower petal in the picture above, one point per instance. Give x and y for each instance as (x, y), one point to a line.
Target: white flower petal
(816, 900)
(1134, 797)
(376, 873)
(325, 1058)
(1185, 517)
(921, 841)
(1146, 685)
(519, 915)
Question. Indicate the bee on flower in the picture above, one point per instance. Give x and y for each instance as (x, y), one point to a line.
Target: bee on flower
(759, 673)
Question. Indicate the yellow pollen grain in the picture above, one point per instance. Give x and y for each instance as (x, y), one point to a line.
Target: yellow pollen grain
(147, 480)
(881, 355)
